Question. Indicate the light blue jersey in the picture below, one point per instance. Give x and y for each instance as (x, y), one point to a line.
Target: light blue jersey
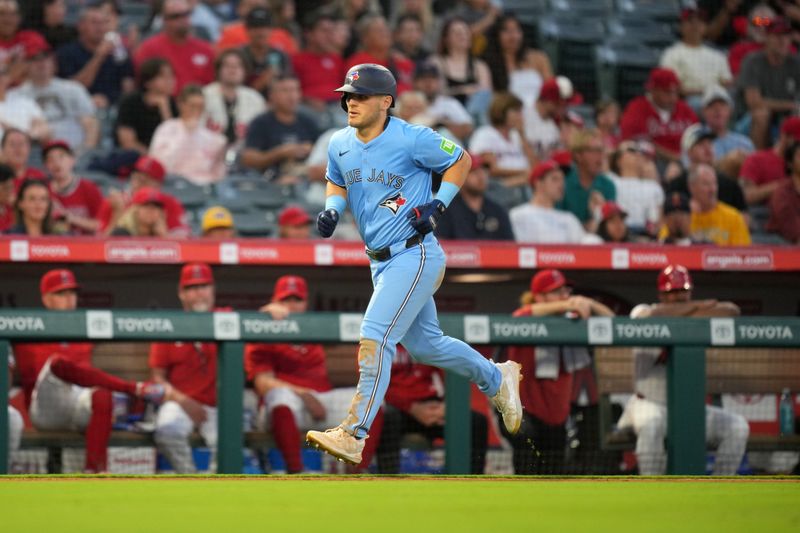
(385, 179)
(388, 176)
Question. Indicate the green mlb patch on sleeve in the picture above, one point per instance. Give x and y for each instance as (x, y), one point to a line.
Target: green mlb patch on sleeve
(448, 147)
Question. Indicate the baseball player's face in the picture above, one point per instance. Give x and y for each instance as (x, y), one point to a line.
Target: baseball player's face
(197, 298)
(675, 296)
(557, 295)
(295, 304)
(364, 111)
(66, 300)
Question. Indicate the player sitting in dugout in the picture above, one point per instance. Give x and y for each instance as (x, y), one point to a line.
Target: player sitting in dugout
(548, 376)
(292, 382)
(646, 411)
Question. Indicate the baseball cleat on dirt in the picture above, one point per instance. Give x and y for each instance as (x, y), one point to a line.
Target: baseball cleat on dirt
(338, 443)
(507, 399)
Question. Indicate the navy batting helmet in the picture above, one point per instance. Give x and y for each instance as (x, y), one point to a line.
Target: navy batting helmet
(369, 79)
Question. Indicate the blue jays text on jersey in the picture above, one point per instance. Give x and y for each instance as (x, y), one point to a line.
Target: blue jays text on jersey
(399, 160)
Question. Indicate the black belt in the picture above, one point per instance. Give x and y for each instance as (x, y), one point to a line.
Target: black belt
(385, 253)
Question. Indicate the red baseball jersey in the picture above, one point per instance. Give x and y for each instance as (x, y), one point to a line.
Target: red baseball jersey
(299, 364)
(413, 382)
(641, 120)
(191, 368)
(176, 216)
(546, 399)
(319, 75)
(31, 357)
(6, 216)
(762, 167)
(82, 198)
(192, 61)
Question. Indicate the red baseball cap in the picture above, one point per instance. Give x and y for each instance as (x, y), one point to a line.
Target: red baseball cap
(689, 12)
(38, 48)
(477, 162)
(791, 127)
(674, 278)
(196, 274)
(541, 169)
(562, 157)
(150, 166)
(56, 280)
(547, 281)
(148, 195)
(560, 89)
(662, 78)
(611, 208)
(56, 144)
(293, 216)
(290, 286)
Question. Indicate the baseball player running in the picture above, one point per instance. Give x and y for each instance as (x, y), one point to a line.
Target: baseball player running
(646, 412)
(380, 166)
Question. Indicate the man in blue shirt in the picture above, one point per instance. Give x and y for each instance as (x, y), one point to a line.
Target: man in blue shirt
(97, 59)
(381, 167)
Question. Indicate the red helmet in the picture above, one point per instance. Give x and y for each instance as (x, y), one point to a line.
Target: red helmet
(674, 278)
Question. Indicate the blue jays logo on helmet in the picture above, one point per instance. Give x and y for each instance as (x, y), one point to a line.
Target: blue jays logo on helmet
(394, 203)
(368, 79)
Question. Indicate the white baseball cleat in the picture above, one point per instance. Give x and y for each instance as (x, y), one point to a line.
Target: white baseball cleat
(338, 443)
(507, 399)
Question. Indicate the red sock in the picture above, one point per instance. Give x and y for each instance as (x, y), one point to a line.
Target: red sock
(287, 437)
(98, 432)
(87, 376)
(372, 442)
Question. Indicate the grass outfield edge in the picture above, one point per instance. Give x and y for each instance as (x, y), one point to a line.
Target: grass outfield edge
(395, 477)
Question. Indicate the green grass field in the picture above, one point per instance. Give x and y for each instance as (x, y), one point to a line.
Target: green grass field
(411, 505)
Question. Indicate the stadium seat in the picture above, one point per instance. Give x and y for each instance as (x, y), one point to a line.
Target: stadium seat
(235, 204)
(622, 69)
(189, 194)
(632, 28)
(253, 224)
(134, 14)
(664, 10)
(570, 43)
(582, 8)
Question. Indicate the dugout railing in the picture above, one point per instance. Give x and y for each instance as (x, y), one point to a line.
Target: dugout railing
(687, 340)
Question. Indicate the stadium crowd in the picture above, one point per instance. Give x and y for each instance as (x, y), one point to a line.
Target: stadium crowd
(227, 107)
(113, 126)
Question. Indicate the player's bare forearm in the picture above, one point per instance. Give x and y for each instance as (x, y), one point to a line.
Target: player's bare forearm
(549, 308)
(600, 309)
(332, 189)
(457, 173)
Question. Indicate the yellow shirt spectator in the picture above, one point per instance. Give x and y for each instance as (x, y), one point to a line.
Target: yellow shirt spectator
(723, 225)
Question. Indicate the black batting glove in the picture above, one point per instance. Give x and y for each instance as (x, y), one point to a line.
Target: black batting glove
(424, 218)
(326, 222)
